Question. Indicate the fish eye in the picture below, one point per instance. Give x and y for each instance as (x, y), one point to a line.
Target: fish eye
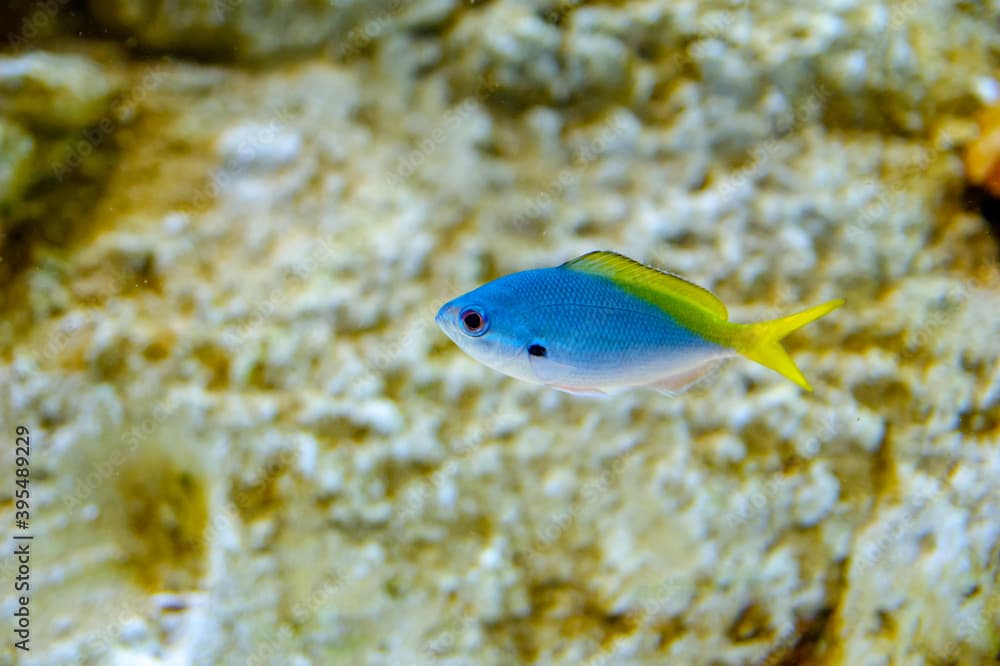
(473, 321)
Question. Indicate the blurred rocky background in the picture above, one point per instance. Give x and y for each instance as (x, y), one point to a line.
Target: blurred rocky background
(225, 226)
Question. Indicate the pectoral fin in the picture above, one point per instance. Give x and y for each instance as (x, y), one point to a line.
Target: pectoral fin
(554, 374)
(547, 370)
(592, 392)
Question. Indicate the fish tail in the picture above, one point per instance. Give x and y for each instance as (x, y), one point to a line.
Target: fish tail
(761, 342)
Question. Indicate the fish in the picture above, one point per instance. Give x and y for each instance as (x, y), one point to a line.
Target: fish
(602, 323)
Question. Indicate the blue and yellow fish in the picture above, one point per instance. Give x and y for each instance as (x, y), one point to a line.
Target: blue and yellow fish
(603, 322)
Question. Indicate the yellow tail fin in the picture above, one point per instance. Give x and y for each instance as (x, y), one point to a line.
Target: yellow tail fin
(761, 342)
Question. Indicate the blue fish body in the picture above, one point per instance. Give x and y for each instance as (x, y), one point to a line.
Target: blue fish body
(597, 324)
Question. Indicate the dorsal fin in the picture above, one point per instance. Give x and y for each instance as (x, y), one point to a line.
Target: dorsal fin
(647, 282)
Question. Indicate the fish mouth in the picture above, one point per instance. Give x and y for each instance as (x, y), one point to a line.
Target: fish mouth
(446, 315)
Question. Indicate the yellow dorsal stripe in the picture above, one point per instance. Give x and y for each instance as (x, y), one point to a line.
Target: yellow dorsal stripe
(640, 279)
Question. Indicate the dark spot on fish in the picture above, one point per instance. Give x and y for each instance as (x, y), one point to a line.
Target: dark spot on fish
(537, 350)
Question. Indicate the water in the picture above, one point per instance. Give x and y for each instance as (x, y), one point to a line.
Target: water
(226, 233)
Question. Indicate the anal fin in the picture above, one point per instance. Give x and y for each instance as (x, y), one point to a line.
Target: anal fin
(683, 380)
(574, 390)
